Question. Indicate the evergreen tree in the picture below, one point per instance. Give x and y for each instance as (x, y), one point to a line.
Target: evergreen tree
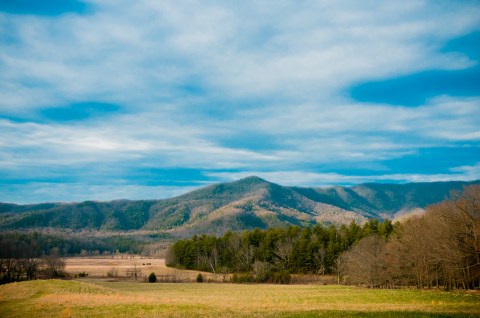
(152, 278)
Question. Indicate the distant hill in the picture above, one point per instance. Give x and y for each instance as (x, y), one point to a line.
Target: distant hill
(385, 200)
(244, 204)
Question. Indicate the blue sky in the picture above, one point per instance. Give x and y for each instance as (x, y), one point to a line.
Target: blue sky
(103, 100)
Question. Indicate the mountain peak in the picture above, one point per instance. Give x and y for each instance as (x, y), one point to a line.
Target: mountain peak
(253, 180)
(237, 205)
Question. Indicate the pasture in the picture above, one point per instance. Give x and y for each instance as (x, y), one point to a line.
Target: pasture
(101, 267)
(56, 298)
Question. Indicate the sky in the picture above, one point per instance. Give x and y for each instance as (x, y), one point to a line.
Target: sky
(116, 99)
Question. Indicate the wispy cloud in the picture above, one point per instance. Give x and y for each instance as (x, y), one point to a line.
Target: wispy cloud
(301, 178)
(76, 192)
(227, 89)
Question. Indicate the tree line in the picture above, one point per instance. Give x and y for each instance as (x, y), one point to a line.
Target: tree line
(438, 249)
(17, 264)
(269, 255)
(31, 255)
(68, 244)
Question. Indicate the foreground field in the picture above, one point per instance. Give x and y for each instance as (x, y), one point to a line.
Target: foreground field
(56, 298)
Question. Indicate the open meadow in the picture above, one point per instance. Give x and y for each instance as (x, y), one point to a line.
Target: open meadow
(121, 267)
(57, 298)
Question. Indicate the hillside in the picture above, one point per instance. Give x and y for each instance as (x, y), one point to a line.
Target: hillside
(385, 200)
(244, 204)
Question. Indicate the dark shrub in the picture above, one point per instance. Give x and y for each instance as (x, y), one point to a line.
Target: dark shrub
(152, 278)
(242, 278)
(199, 278)
(282, 277)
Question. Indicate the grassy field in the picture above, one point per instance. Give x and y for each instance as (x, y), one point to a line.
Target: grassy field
(99, 267)
(55, 298)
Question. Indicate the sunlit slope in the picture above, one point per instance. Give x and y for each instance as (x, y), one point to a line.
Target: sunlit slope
(243, 204)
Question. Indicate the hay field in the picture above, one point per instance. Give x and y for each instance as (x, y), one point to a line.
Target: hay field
(55, 298)
(99, 268)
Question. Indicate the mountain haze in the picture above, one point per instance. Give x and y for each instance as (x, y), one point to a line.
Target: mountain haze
(244, 204)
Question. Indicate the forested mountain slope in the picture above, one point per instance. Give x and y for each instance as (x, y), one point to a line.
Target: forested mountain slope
(244, 204)
(385, 200)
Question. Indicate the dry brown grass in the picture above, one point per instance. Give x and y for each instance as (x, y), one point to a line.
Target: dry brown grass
(99, 267)
(130, 299)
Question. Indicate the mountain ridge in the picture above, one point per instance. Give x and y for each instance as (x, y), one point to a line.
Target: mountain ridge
(243, 204)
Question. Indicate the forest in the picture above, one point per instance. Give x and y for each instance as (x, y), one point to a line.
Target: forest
(35, 243)
(261, 255)
(440, 248)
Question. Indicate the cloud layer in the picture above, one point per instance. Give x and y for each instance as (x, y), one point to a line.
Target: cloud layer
(149, 99)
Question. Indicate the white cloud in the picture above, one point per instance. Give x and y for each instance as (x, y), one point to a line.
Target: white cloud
(131, 53)
(303, 135)
(470, 172)
(273, 71)
(35, 192)
(449, 114)
(312, 179)
(64, 192)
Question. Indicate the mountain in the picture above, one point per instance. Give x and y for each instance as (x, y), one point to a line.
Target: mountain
(244, 204)
(385, 200)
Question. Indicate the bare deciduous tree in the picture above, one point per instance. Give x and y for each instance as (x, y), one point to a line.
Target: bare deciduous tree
(261, 271)
(439, 248)
(284, 254)
(134, 272)
(364, 263)
(319, 261)
(245, 257)
(54, 264)
(112, 272)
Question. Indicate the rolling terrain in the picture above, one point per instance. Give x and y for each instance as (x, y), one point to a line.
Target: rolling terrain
(244, 204)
